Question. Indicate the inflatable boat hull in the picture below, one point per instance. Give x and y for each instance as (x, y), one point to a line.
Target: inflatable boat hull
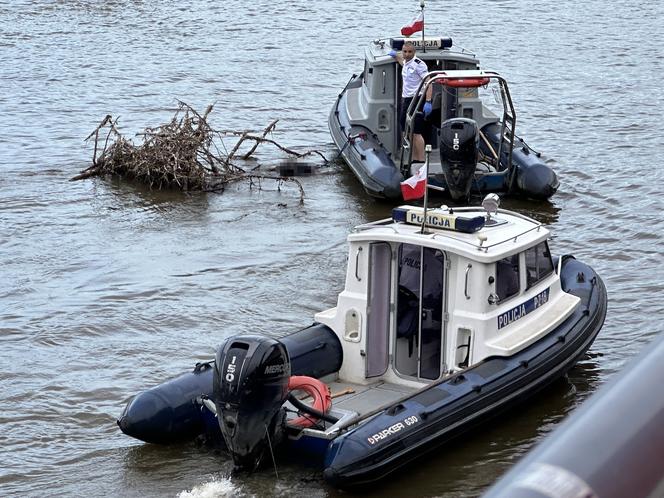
(367, 158)
(379, 174)
(172, 412)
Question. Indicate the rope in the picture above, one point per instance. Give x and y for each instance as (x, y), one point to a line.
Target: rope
(269, 443)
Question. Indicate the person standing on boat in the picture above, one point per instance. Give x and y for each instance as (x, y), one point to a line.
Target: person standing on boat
(413, 71)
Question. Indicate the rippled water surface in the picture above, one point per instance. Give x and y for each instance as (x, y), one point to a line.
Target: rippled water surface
(109, 288)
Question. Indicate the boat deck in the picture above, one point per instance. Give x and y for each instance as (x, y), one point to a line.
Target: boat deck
(359, 399)
(434, 164)
(362, 398)
(436, 169)
(353, 401)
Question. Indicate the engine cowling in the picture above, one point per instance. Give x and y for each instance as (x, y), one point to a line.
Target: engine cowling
(250, 386)
(459, 152)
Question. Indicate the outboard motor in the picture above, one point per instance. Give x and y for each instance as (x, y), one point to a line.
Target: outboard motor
(459, 152)
(249, 388)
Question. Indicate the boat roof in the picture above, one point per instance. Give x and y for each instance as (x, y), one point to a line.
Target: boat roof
(431, 47)
(470, 231)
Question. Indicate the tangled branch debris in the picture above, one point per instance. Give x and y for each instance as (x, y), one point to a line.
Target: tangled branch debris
(183, 154)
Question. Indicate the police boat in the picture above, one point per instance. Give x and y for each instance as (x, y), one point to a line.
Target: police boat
(448, 316)
(471, 128)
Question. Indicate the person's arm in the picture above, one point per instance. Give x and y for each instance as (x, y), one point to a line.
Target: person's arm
(398, 56)
(423, 72)
(429, 94)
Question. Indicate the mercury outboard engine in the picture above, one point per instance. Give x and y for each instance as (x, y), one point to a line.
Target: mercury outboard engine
(249, 388)
(459, 152)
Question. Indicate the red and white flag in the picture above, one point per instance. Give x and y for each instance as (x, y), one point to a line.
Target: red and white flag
(415, 186)
(415, 25)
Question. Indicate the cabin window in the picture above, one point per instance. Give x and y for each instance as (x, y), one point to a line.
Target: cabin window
(538, 264)
(507, 277)
(419, 313)
(378, 309)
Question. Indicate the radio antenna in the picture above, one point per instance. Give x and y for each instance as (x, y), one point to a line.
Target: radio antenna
(424, 47)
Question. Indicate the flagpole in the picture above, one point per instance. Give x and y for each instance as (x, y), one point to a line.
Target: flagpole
(424, 48)
(427, 150)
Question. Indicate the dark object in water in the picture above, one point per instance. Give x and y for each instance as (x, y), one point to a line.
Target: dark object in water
(296, 168)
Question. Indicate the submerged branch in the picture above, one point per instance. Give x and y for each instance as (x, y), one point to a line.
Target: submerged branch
(256, 180)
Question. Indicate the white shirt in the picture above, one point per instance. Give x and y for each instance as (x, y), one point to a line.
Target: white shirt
(412, 73)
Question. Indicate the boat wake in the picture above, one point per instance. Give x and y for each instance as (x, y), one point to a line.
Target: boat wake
(216, 488)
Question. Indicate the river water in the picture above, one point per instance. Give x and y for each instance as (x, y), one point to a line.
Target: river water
(109, 288)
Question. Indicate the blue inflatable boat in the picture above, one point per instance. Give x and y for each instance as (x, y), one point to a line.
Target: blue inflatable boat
(448, 317)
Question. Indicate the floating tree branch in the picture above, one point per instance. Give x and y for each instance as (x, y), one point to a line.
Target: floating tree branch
(182, 154)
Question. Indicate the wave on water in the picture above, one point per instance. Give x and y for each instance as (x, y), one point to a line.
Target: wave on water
(218, 487)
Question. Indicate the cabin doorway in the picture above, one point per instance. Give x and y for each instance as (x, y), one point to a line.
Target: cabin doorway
(378, 309)
(420, 321)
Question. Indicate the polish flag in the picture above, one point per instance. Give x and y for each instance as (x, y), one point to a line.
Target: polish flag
(415, 186)
(416, 25)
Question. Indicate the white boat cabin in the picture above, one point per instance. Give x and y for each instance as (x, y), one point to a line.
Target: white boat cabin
(418, 306)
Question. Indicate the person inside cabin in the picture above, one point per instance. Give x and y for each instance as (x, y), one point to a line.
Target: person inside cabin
(413, 71)
(410, 274)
